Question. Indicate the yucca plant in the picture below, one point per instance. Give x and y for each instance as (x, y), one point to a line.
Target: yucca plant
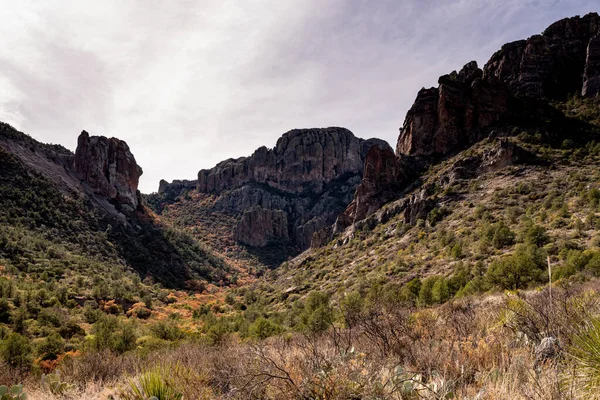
(585, 352)
(153, 384)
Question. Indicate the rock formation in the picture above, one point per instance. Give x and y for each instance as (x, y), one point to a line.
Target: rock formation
(383, 177)
(176, 187)
(259, 226)
(563, 60)
(289, 192)
(109, 168)
(549, 65)
(303, 160)
(591, 76)
(451, 116)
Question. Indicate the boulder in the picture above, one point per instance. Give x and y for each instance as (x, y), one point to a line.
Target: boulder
(548, 349)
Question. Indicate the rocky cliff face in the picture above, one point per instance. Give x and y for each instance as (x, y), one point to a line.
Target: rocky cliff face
(563, 60)
(549, 65)
(109, 168)
(260, 226)
(287, 193)
(383, 177)
(451, 116)
(591, 75)
(303, 160)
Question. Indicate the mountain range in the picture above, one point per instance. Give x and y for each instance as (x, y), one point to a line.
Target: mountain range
(493, 185)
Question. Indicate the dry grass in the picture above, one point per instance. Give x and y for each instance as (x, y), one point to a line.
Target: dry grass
(476, 349)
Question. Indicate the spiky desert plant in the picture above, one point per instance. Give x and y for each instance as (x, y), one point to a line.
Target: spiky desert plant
(154, 383)
(585, 351)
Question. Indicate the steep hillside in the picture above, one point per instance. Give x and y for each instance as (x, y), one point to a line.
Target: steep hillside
(487, 158)
(86, 207)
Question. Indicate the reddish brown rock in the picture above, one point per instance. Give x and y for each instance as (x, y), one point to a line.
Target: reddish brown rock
(109, 168)
(259, 226)
(421, 123)
(382, 180)
(451, 116)
(551, 65)
(591, 76)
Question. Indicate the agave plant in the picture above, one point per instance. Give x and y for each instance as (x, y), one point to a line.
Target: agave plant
(13, 393)
(585, 350)
(151, 385)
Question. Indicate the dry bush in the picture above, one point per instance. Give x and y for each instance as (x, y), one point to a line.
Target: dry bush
(98, 367)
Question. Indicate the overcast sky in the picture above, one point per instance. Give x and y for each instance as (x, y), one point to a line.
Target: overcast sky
(189, 83)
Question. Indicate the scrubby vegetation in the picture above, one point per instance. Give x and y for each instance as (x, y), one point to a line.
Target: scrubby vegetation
(490, 292)
(377, 346)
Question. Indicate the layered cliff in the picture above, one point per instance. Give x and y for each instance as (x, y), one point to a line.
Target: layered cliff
(549, 65)
(303, 160)
(451, 116)
(287, 193)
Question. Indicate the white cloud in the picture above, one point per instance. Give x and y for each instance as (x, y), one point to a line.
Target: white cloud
(189, 83)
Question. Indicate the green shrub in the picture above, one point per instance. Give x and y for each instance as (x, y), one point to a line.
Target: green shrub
(112, 334)
(16, 351)
(318, 314)
(263, 328)
(499, 235)
(166, 330)
(51, 347)
(536, 235)
(426, 291)
(525, 266)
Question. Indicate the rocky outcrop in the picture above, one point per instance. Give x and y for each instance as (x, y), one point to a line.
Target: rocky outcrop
(451, 116)
(549, 65)
(502, 155)
(259, 227)
(303, 160)
(383, 178)
(176, 187)
(564, 59)
(108, 168)
(309, 178)
(591, 75)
